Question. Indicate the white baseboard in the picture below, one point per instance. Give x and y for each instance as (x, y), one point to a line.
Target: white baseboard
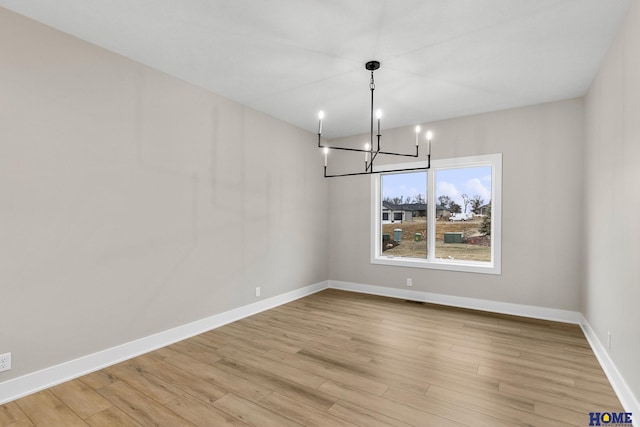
(544, 313)
(626, 396)
(45, 378)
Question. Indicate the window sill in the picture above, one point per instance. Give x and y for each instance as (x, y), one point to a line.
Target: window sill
(439, 264)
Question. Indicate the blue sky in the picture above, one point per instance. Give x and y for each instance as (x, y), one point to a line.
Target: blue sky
(404, 184)
(452, 182)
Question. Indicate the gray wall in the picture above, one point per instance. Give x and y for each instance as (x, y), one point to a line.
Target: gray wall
(542, 198)
(132, 202)
(611, 292)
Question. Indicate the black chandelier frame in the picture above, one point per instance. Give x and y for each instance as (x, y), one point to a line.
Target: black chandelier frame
(368, 164)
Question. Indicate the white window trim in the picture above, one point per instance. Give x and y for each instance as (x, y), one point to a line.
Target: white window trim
(493, 267)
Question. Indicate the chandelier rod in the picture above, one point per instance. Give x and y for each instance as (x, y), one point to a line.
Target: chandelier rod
(372, 87)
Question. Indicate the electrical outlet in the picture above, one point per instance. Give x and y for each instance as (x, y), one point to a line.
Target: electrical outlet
(409, 281)
(609, 340)
(258, 291)
(5, 362)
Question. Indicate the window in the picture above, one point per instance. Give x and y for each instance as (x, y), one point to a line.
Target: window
(449, 215)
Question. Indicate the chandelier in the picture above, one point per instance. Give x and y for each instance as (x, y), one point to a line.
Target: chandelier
(372, 149)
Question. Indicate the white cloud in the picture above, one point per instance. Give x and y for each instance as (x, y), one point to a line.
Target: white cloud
(445, 188)
(475, 186)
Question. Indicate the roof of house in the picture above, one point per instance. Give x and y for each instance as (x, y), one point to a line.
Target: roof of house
(409, 206)
(414, 206)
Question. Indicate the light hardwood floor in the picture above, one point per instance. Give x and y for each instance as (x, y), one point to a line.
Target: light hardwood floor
(341, 359)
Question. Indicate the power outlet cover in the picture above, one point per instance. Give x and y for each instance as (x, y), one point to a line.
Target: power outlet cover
(5, 362)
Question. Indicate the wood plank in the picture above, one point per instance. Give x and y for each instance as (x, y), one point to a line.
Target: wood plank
(524, 376)
(196, 350)
(363, 417)
(587, 365)
(10, 413)
(549, 371)
(579, 354)
(304, 378)
(189, 383)
(571, 402)
(390, 408)
(585, 395)
(438, 375)
(98, 379)
(202, 414)
(568, 416)
(472, 386)
(445, 409)
(44, 408)
(336, 373)
(321, 335)
(210, 373)
(82, 399)
(256, 337)
(21, 423)
(302, 413)
(431, 359)
(137, 377)
(600, 387)
(303, 394)
(496, 405)
(251, 413)
(112, 417)
(140, 407)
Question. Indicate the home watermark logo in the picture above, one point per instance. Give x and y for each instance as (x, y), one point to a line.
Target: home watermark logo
(610, 419)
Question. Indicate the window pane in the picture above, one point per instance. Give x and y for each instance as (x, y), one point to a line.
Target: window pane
(463, 214)
(404, 214)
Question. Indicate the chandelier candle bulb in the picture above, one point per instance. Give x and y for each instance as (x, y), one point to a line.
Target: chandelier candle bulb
(379, 115)
(417, 133)
(429, 136)
(320, 117)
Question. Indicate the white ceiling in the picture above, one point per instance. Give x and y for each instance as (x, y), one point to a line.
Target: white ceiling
(292, 58)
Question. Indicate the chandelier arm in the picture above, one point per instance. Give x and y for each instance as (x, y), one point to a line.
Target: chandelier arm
(398, 154)
(360, 150)
(372, 172)
(373, 157)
